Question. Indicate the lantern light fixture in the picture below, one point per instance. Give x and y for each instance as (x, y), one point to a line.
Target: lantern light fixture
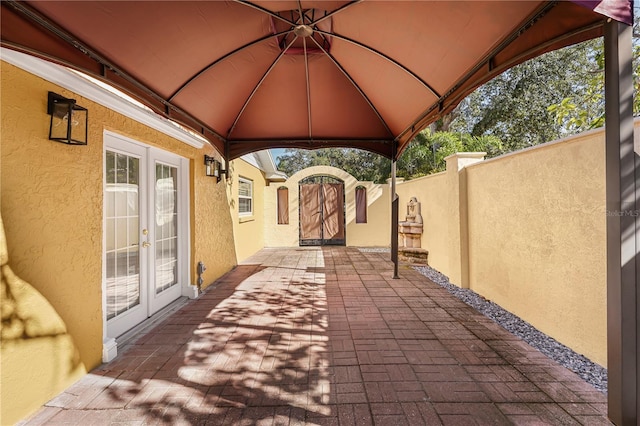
(209, 165)
(68, 120)
(213, 168)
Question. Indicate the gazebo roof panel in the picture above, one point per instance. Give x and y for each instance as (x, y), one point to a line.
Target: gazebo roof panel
(201, 63)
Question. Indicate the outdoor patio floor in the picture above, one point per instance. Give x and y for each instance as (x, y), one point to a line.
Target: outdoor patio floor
(326, 336)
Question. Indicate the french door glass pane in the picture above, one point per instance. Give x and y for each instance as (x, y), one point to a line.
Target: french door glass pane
(122, 233)
(166, 238)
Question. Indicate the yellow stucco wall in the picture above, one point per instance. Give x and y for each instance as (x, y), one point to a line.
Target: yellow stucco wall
(42, 367)
(527, 231)
(443, 205)
(248, 229)
(375, 233)
(35, 344)
(212, 238)
(537, 239)
(51, 201)
(433, 194)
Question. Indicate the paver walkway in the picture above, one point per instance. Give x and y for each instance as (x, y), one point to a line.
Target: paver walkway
(326, 336)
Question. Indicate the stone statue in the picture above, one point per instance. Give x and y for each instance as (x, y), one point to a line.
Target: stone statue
(410, 231)
(414, 214)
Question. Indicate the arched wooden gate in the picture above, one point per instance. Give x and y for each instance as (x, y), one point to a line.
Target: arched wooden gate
(322, 211)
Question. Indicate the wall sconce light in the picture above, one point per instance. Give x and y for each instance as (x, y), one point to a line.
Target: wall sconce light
(213, 168)
(209, 166)
(68, 120)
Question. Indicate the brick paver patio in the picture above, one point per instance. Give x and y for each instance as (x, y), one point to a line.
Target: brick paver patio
(326, 336)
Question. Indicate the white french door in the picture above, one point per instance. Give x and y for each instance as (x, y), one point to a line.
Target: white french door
(145, 228)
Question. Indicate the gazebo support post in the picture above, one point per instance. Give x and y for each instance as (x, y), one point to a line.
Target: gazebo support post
(623, 228)
(394, 218)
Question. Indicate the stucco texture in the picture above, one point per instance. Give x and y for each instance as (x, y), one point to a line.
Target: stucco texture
(212, 236)
(375, 233)
(31, 330)
(527, 231)
(51, 203)
(433, 194)
(537, 239)
(248, 229)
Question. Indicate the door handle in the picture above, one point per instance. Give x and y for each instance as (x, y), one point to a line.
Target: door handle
(146, 244)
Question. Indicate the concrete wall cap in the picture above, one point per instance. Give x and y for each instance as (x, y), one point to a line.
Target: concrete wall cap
(479, 155)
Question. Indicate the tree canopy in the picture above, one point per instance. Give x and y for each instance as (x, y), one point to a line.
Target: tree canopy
(424, 155)
(427, 152)
(363, 165)
(518, 106)
(549, 97)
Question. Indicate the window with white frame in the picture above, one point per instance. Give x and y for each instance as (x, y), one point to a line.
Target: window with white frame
(245, 197)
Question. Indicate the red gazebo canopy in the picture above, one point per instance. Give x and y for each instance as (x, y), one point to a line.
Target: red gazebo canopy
(264, 74)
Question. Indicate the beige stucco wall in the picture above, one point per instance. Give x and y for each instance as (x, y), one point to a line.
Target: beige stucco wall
(537, 239)
(248, 229)
(433, 194)
(527, 231)
(51, 203)
(442, 197)
(375, 233)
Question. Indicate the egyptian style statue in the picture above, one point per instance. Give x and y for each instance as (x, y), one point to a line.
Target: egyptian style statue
(414, 214)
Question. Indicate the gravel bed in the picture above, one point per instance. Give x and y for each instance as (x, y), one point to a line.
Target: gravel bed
(589, 371)
(374, 250)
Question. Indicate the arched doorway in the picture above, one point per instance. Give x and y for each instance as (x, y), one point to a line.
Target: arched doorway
(322, 211)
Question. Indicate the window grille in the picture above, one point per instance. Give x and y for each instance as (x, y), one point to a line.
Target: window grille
(245, 197)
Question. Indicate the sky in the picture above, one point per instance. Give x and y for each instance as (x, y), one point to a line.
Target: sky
(275, 153)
